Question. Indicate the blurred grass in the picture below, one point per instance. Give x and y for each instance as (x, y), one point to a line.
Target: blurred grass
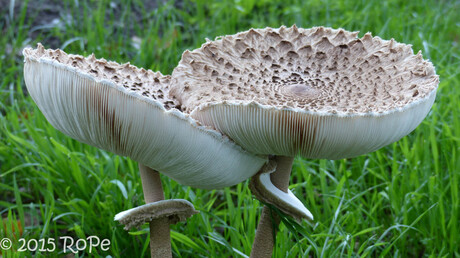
(400, 201)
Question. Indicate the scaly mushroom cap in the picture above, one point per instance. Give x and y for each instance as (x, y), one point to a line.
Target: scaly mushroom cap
(320, 92)
(126, 110)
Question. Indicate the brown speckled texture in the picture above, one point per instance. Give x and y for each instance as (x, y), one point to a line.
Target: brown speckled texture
(145, 82)
(317, 69)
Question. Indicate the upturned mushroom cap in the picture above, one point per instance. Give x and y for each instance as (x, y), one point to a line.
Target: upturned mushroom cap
(175, 210)
(320, 92)
(126, 110)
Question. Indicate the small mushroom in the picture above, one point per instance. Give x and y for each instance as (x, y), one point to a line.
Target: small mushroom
(173, 210)
(319, 93)
(126, 110)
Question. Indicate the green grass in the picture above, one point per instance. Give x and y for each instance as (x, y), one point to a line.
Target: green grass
(400, 201)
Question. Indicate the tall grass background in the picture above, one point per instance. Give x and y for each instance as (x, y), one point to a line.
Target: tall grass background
(400, 201)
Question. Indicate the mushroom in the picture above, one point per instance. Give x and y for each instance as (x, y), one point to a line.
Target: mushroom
(320, 93)
(126, 110)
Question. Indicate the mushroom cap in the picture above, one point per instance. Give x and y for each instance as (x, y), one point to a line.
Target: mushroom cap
(126, 110)
(319, 92)
(174, 209)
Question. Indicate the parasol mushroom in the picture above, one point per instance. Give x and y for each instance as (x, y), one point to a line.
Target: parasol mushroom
(319, 93)
(126, 110)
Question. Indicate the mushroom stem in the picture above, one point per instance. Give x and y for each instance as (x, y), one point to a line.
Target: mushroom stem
(280, 178)
(265, 234)
(269, 220)
(160, 242)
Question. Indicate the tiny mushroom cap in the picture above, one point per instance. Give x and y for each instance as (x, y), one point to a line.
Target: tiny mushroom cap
(317, 93)
(126, 110)
(175, 210)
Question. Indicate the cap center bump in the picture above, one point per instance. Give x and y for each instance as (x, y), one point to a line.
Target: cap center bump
(300, 91)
